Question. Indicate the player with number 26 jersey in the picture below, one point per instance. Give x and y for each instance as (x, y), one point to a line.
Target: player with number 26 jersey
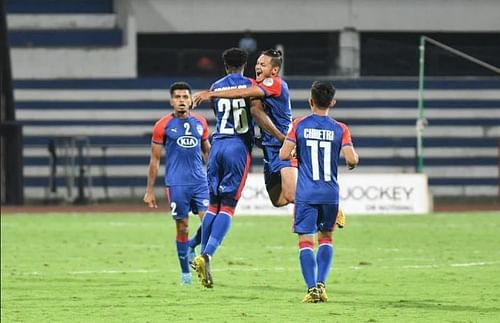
(232, 140)
(233, 115)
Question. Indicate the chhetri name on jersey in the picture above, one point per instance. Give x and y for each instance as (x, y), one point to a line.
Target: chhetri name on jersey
(319, 134)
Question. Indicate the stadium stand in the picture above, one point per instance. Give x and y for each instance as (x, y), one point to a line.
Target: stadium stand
(75, 69)
(54, 38)
(59, 6)
(27, 18)
(116, 115)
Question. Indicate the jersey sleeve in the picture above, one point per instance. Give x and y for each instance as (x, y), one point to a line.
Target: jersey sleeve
(159, 130)
(292, 132)
(271, 86)
(346, 135)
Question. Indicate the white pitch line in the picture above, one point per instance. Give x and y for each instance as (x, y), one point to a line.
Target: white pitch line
(275, 269)
(468, 264)
(471, 264)
(138, 271)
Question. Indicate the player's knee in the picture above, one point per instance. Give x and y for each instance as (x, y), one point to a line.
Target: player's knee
(289, 197)
(325, 238)
(279, 202)
(182, 227)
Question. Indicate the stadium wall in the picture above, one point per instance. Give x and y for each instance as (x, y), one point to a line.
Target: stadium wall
(317, 15)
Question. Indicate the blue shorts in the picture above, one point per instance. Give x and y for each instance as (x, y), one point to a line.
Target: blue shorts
(273, 165)
(228, 166)
(272, 161)
(185, 198)
(311, 218)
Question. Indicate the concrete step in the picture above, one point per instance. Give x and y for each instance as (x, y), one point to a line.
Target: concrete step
(61, 21)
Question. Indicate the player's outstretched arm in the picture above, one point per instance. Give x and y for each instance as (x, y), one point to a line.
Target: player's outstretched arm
(154, 165)
(260, 116)
(249, 92)
(350, 155)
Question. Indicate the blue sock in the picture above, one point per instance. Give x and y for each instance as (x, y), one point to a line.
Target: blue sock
(182, 250)
(324, 258)
(220, 227)
(196, 239)
(308, 266)
(206, 229)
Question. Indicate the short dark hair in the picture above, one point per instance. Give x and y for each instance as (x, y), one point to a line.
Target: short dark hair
(180, 86)
(235, 57)
(322, 94)
(276, 56)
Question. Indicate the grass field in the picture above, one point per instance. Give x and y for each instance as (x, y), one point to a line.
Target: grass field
(123, 268)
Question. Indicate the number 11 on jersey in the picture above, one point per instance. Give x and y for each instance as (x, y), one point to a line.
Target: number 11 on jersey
(326, 146)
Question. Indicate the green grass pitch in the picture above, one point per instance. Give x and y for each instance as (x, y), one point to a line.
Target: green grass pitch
(123, 268)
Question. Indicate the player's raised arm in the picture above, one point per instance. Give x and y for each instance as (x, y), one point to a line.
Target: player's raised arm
(200, 97)
(260, 116)
(154, 165)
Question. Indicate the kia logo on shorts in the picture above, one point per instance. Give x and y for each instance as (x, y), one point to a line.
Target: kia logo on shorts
(187, 141)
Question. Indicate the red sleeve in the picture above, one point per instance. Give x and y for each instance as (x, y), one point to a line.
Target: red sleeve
(292, 132)
(159, 130)
(346, 135)
(271, 86)
(204, 124)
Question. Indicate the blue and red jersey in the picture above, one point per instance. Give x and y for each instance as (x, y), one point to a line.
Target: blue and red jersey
(318, 140)
(233, 115)
(182, 139)
(278, 107)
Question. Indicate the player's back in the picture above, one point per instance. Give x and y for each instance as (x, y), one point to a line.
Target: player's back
(319, 140)
(233, 115)
(278, 107)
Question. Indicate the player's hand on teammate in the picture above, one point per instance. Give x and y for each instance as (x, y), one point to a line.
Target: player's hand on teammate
(150, 200)
(200, 97)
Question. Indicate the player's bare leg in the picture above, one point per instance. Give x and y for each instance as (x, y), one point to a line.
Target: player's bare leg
(284, 192)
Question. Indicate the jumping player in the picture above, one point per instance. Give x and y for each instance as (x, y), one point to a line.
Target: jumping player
(317, 140)
(280, 176)
(229, 159)
(185, 137)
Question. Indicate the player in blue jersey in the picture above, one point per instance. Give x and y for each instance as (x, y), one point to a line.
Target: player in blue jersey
(317, 141)
(184, 135)
(229, 159)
